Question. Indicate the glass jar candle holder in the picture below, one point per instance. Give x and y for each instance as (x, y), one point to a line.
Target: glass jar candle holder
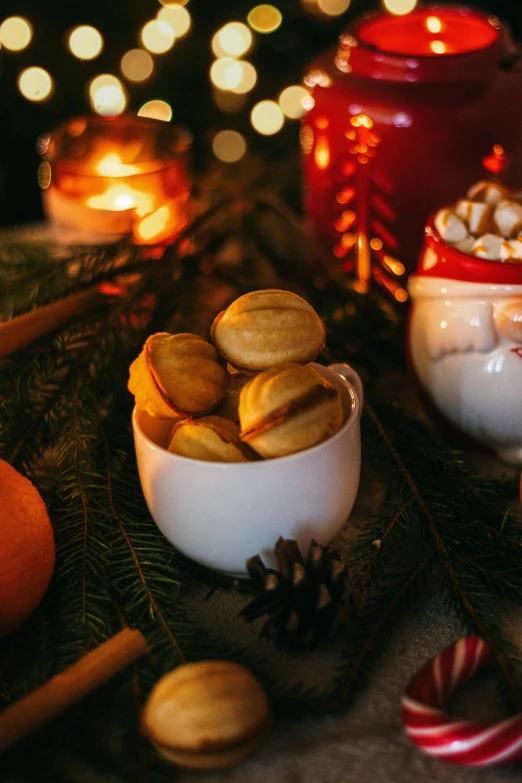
(110, 177)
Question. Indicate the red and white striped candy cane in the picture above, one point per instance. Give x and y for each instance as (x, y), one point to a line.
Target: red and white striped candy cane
(447, 737)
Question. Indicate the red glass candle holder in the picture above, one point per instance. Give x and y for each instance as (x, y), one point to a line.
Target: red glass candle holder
(405, 115)
(107, 177)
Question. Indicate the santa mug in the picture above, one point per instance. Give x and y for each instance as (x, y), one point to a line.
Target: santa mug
(465, 342)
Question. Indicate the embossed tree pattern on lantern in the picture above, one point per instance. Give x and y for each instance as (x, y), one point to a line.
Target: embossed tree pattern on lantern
(365, 221)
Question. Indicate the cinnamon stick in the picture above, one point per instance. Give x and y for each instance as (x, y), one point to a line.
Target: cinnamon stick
(20, 332)
(54, 697)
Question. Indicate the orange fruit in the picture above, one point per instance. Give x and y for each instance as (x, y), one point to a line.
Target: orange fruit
(27, 552)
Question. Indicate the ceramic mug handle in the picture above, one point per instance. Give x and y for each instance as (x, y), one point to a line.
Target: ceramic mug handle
(345, 371)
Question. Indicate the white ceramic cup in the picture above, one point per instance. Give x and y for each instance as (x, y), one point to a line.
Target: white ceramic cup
(220, 514)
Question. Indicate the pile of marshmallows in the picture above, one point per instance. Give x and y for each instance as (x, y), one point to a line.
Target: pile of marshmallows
(251, 394)
(487, 223)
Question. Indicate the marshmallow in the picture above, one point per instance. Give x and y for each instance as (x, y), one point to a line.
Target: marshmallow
(466, 246)
(511, 250)
(508, 218)
(488, 246)
(475, 214)
(450, 227)
(487, 191)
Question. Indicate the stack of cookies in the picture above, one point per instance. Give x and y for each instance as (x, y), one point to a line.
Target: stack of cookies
(251, 393)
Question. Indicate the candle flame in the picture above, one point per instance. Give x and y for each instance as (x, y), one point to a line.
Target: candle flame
(119, 197)
(111, 166)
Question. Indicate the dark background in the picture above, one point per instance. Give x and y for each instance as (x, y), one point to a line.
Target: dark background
(180, 76)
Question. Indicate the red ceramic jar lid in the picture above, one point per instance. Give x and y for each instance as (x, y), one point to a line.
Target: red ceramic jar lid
(441, 260)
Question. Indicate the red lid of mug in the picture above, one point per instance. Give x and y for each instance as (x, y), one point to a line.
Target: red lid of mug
(438, 259)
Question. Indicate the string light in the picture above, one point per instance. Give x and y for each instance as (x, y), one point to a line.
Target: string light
(177, 17)
(291, 101)
(15, 33)
(229, 146)
(137, 65)
(157, 36)
(156, 110)
(107, 95)
(333, 7)
(267, 118)
(232, 40)
(85, 42)
(265, 18)
(400, 7)
(35, 84)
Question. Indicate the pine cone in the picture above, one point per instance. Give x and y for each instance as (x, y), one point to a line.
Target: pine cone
(306, 601)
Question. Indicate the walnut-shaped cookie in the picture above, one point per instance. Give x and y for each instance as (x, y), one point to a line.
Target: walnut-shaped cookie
(178, 374)
(265, 328)
(287, 409)
(206, 715)
(210, 438)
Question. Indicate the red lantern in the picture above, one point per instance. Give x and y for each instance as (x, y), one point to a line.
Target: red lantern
(404, 116)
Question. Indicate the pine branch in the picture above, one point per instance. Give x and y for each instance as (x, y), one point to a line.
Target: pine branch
(432, 508)
(369, 635)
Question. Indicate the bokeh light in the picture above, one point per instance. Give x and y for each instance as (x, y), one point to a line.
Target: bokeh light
(173, 2)
(157, 36)
(156, 110)
(177, 17)
(44, 175)
(399, 7)
(434, 24)
(267, 117)
(107, 95)
(226, 73)
(15, 33)
(229, 102)
(291, 101)
(229, 146)
(265, 18)
(333, 7)
(137, 65)
(232, 40)
(248, 78)
(85, 42)
(438, 47)
(35, 84)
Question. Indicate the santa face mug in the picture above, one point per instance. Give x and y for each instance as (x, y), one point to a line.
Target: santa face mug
(465, 342)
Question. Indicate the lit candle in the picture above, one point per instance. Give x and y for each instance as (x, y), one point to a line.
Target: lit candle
(112, 177)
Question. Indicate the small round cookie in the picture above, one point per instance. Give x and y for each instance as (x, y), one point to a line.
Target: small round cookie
(265, 328)
(178, 374)
(211, 438)
(288, 409)
(206, 715)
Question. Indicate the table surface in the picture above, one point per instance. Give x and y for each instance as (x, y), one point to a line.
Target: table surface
(368, 742)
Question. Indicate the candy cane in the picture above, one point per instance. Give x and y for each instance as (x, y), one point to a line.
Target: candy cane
(447, 737)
